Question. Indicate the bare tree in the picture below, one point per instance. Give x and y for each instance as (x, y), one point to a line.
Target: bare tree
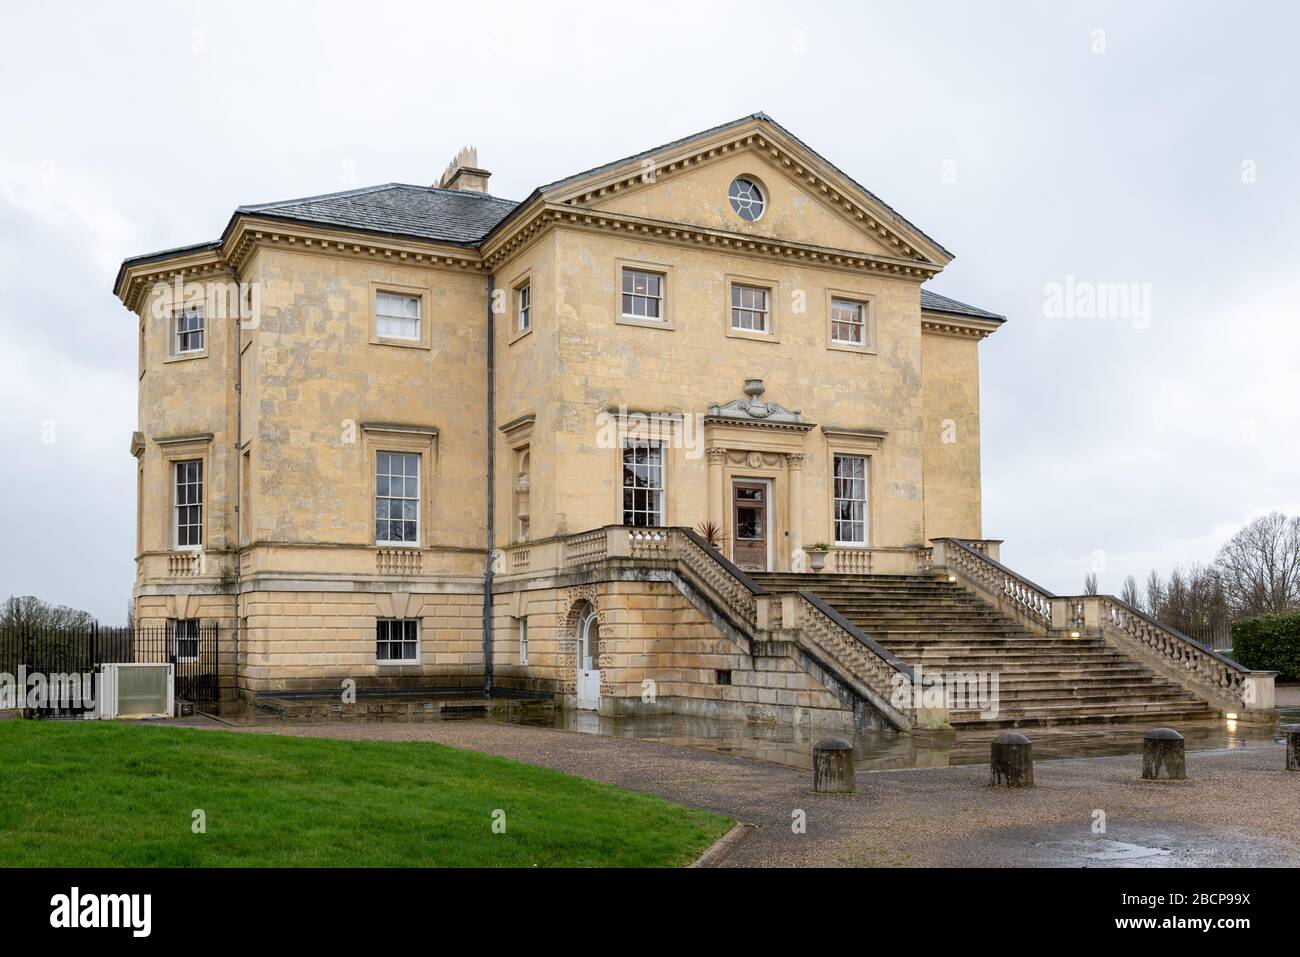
(1090, 584)
(29, 612)
(1130, 593)
(1260, 566)
(1155, 595)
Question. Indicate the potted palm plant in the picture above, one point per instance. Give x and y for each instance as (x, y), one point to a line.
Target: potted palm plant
(711, 532)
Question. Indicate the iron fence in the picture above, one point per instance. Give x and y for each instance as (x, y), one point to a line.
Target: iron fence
(65, 652)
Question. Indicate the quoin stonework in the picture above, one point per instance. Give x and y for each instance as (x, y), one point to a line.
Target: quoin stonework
(605, 443)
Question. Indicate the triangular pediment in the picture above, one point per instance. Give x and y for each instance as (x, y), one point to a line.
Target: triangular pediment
(806, 199)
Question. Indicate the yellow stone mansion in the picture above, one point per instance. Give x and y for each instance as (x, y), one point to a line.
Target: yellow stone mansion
(424, 437)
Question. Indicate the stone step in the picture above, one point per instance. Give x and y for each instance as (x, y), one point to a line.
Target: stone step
(971, 721)
(945, 628)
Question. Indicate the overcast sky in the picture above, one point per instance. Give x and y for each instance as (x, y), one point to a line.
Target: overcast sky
(1151, 143)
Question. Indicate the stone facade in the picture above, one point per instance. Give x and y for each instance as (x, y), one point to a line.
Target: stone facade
(288, 404)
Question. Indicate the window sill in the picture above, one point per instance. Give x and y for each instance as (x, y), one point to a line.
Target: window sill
(643, 322)
(750, 334)
(400, 343)
(412, 546)
(186, 356)
(850, 347)
(515, 337)
(404, 663)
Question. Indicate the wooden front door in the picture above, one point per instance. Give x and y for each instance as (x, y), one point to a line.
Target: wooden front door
(749, 525)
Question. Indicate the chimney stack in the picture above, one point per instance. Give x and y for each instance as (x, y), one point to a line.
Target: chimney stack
(463, 173)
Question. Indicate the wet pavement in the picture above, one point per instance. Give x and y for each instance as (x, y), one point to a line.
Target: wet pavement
(792, 746)
(877, 751)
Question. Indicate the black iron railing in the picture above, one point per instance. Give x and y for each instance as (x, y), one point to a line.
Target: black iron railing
(59, 654)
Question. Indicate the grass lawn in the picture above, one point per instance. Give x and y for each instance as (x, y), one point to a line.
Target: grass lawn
(103, 794)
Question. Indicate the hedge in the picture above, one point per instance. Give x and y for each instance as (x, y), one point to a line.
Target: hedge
(1269, 643)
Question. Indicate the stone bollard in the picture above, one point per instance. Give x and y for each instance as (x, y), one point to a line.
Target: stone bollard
(1293, 748)
(1012, 762)
(1163, 755)
(833, 767)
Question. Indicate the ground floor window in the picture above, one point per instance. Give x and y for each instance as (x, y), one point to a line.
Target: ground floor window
(523, 641)
(185, 639)
(643, 483)
(397, 498)
(397, 639)
(850, 500)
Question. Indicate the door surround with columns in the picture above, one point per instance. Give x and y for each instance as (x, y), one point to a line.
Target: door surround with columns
(749, 439)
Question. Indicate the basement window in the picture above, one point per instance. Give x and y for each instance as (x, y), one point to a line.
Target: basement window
(397, 640)
(185, 639)
(724, 677)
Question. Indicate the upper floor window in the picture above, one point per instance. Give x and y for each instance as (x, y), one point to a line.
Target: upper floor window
(188, 503)
(524, 307)
(643, 483)
(397, 498)
(397, 316)
(850, 500)
(397, 640)
(749, 308)
(187, 330)
(643, 294)
(848, 322)
(746, 198)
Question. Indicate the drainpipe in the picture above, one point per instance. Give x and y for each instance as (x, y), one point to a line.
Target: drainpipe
(491, 490)
(239, 483)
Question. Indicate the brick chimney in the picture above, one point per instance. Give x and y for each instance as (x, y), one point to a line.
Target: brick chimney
(463, 173)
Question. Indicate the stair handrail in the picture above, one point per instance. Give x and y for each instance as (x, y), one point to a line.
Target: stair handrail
(895, 663)
(1033, 599)
(842, 647)
(1213, 672)
(1191, 663)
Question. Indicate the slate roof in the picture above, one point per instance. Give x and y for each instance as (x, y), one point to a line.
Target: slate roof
(463, 218)
(423, 212)
(933, 302)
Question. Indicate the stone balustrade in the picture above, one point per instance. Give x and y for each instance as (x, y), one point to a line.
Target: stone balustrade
(1219, 679)
(398, 561)
(983, 571)
(184, 564)
(869, 667)
(851, 561)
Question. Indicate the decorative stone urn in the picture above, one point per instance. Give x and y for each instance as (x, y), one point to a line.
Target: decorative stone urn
(817, 558)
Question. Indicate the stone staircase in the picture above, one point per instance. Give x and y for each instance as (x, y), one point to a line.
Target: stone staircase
(946, 628)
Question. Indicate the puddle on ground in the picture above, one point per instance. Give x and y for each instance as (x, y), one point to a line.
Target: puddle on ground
(879, 751)
(1146, 844)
